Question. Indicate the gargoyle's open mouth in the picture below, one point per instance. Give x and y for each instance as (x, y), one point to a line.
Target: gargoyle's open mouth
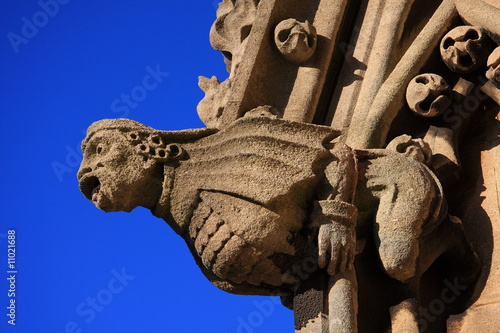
(437, 101)
(90, 185)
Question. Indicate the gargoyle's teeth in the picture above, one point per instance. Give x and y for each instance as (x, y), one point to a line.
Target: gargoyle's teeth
(96, 189)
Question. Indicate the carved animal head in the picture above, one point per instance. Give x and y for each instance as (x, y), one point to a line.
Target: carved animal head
(233, 25)
(464, 48)
(428, 95)
(123, 163)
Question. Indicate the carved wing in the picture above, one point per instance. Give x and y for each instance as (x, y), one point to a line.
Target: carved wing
(272, 162)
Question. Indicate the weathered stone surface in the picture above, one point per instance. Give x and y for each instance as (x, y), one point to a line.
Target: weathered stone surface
(492, 91)
(428, 95)
(293, 90)
(370, 125)
(444, 159)
(476, 199)
(361, 225)
(464, 49)
(296, 40)
(242, 203)
(493, 73)
(462, 89)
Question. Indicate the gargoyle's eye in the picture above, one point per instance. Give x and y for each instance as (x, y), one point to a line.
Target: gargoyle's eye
(99, 149)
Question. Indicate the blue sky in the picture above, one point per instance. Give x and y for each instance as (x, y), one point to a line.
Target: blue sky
(63, 65)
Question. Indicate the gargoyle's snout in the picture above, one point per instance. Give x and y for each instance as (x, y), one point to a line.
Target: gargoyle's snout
(82, 172)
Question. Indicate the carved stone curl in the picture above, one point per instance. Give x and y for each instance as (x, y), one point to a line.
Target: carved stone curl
(417, 149)
(295, 40)
(428, 95)
(464, 49)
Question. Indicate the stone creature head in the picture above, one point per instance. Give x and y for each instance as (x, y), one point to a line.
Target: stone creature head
(123, 163)
(428, 95)
(295, 40)
(464, 49)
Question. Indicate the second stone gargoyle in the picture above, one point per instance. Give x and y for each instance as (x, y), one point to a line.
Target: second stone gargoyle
(259, 197)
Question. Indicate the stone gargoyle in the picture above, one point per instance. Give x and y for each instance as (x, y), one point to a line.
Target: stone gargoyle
(258, 197)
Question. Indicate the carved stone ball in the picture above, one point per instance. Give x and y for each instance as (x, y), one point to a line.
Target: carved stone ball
(428, 95)
(464, 49)
(493, 73)
(295, 40)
